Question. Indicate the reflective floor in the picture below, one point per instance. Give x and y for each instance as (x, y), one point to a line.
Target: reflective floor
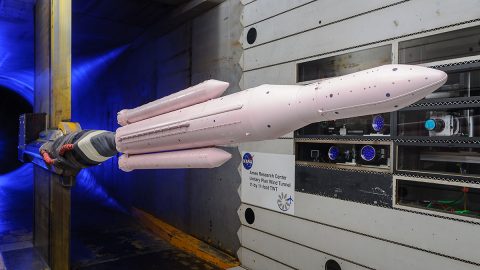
(16, 208)
(104, 236)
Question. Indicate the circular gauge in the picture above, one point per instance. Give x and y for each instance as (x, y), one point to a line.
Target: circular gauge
(333, 153)
(378, 123)
(367, 153)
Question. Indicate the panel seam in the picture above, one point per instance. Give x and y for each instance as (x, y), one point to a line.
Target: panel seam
(363, 234)
(324, 25)
(305, 246)
(277, 14)
(275, 260)
(363, 45)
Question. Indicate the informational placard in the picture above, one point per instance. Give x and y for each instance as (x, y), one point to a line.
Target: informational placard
(268, 180)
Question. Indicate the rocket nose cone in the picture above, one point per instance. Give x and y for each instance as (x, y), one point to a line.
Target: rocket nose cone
(433, 78)
(432, 75)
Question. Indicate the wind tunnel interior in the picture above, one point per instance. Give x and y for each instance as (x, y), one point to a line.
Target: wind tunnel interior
(124, 54)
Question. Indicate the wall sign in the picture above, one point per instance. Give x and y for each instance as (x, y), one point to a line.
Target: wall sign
(268, 180)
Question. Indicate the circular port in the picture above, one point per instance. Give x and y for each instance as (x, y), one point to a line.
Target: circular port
(333, 153)
(251, 35)
(368, 153)
(378, 123)
(332, 265)
(249, 215)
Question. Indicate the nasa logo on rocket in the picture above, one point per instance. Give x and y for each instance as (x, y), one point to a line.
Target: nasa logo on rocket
(247, 161)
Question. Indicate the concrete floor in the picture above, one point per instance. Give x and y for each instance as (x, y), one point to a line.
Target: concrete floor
(104, 235)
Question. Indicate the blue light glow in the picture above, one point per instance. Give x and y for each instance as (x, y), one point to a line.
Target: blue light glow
(23, 86)
(17, 51)
(16, 202)
(86, 70)
(17, 180)
(333, 153)
(86, 185)
(430, 124)
(378, 123)
(368, 153)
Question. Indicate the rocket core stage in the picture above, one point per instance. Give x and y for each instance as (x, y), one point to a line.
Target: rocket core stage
(180, 130)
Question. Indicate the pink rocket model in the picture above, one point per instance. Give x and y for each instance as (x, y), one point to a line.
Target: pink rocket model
(181, 130)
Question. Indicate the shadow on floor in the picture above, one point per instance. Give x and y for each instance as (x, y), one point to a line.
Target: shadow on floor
(103, 234)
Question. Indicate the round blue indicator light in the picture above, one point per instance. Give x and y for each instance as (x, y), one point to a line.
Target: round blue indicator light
(333, 153)
(368, 153)
(378, 123)
(430, 124)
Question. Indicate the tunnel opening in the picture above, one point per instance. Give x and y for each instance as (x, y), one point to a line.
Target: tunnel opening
(12, 105)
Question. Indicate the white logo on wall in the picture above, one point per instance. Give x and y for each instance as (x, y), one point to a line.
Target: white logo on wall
(268, 180)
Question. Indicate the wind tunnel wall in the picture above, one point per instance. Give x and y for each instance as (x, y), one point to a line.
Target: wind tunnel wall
(200, 202)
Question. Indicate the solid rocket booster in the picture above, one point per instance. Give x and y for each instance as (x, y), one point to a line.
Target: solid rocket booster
(194, 158)
(270, 111)
(193, 95)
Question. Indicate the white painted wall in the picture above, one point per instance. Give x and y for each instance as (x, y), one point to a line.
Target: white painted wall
(358, 236)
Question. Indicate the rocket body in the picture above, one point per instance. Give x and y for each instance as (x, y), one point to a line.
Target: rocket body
(270, 111)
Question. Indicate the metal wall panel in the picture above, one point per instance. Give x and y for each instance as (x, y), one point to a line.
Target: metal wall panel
(246, 2)
(215, 54)
(255, 11)
(253, 260)
(308, 17)
(396, 21)
(278, 146)
(286, 73)
(372, 236)
(349, 245)
(295, 255)
(427, 232)
(279, 74)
